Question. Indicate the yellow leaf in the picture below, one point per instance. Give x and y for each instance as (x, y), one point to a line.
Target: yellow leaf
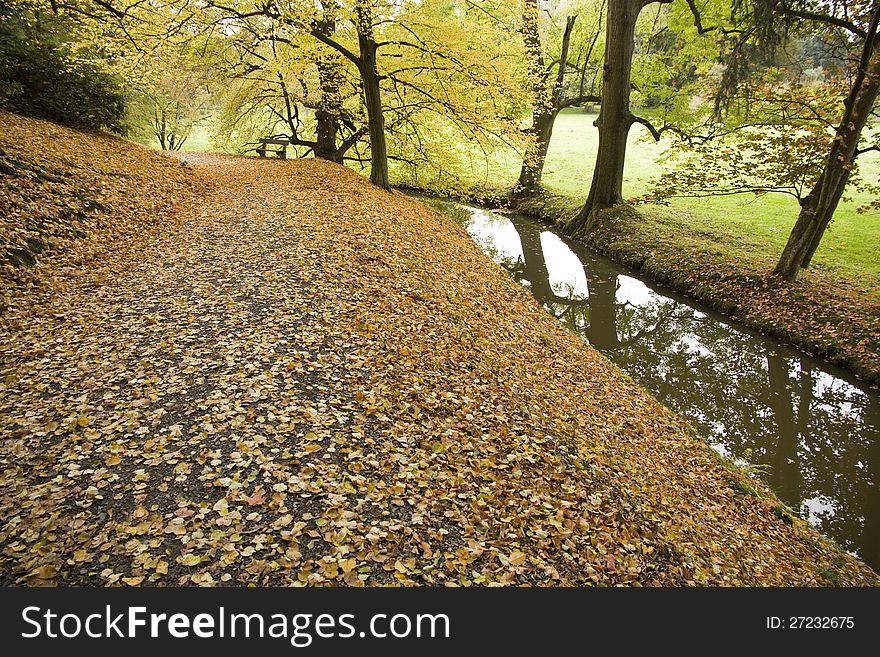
(47, 571)
(189, 559)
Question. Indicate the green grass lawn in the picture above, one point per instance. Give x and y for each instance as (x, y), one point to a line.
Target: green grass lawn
(199, 141)
(736, 223)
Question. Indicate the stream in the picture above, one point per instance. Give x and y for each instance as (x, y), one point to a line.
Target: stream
(810, 430)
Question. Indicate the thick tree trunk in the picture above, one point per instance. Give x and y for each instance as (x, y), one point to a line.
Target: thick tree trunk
(615, 118)
(328, 114)
(372, 98)
(819, 206)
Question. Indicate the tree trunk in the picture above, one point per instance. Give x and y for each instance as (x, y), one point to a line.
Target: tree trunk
(329, 112)
(533, 163)
(546, 100)
(327, 115)
(820, 204)
(615, 118)
(372, 97)
(161, 130)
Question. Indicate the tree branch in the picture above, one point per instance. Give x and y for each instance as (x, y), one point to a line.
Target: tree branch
(577, 100)
(825, 18)
(338, 47)
(655, 132)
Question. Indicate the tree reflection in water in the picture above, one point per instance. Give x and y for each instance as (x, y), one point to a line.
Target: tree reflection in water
(810, 430)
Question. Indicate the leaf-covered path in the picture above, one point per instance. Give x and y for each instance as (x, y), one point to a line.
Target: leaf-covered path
(308, 380)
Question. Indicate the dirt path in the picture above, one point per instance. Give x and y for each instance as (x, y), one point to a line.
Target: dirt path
(311, 381)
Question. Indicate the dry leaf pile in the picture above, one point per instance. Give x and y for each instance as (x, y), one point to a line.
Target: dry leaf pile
(306, 380)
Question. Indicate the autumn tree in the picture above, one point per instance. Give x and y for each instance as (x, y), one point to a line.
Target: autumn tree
(275, 80)
(430, 68)
(426, 70)
(363, 17)
(548, 80)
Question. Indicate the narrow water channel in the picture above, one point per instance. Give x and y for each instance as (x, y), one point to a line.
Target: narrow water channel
(810, 430)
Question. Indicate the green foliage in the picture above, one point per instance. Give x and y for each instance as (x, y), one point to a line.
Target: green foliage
(764, 120)
(43, 73)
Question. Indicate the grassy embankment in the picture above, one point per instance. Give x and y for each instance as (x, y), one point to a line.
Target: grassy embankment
(269, 388)
(720, 249)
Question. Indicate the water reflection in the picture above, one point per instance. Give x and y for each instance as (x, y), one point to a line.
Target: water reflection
(809, 429)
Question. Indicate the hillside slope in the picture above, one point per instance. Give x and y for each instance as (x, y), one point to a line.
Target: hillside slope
(308, 380)
(68, 197)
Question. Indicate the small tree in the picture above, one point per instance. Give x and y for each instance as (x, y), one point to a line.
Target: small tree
(178, 100)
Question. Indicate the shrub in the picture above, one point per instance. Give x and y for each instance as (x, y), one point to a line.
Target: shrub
(43, 75)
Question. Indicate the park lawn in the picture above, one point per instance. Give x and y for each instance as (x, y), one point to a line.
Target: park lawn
(743, 226)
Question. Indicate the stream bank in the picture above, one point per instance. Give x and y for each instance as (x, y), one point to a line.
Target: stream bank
(807, 429)
(828, 316)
